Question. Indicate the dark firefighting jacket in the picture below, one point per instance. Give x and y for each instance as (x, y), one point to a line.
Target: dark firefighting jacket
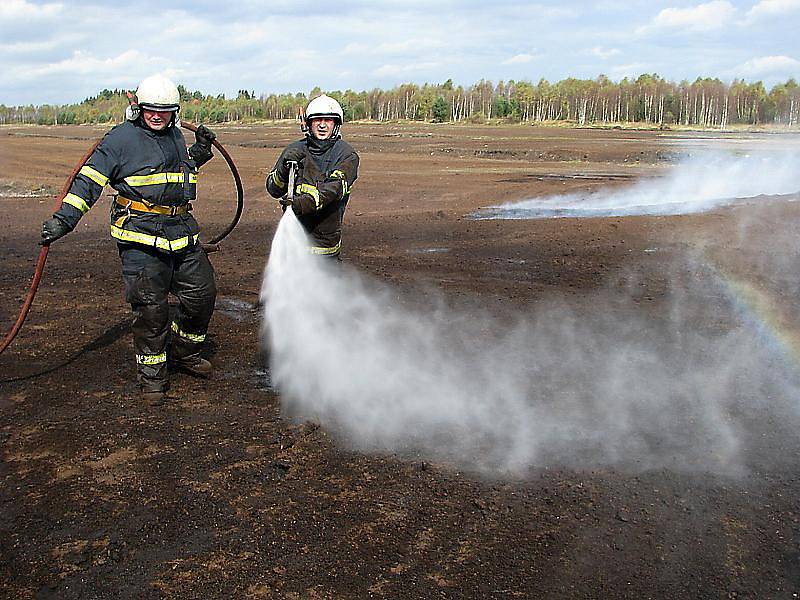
(327, 174)
(151, 167)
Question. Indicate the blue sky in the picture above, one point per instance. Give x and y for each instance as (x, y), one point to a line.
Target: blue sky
(63, 51)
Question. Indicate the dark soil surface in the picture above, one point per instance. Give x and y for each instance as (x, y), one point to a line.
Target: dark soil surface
(216, 495)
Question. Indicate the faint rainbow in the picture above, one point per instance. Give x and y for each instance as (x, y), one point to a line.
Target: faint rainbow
(763, 312)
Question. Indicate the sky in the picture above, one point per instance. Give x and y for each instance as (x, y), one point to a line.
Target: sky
(64, 51)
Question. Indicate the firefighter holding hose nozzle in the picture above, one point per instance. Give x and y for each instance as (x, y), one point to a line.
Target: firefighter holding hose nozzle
(146, 160)
(327, 168)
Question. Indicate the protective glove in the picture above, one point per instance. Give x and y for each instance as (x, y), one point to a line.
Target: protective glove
(204, 136)
(290, 155)
(201, 149)
(52, 229)
(303, 204)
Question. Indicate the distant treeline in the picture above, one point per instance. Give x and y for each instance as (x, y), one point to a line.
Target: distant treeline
(648, 99)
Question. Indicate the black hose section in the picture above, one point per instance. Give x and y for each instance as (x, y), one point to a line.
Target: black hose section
(239, 188)
(42, 260)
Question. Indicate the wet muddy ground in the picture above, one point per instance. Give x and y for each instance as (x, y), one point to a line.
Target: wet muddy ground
(216, 495)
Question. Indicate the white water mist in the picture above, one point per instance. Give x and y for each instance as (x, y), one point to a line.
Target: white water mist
(592, 386)
(703, 182)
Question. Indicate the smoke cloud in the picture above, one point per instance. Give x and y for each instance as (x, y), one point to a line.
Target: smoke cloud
(595, 384)
(700, 183)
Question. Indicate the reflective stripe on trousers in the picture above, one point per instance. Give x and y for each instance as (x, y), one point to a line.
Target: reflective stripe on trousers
(151, 359)
(323, 251)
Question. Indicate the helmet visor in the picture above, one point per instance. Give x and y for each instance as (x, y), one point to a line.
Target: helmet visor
(334, 116)
(159, 107)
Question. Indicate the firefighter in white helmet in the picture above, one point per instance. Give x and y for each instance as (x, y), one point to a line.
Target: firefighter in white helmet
(328, 168)
(145, 159)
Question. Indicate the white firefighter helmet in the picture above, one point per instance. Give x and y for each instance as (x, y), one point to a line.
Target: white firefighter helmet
(324, 106)
(158, 93)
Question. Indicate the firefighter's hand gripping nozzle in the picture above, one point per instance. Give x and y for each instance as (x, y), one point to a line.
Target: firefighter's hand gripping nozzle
(287, 200)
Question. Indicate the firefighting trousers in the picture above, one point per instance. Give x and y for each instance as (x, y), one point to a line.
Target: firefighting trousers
(150, 276)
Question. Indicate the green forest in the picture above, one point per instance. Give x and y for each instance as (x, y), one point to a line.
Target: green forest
(648, 99)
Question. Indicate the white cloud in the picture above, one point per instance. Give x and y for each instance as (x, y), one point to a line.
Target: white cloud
(519, 59)
(630, 70)
(772, 8)
(540, 11)
(394, 70)
(354, 49)
(84, 63)
(28, 47)
(20, 9)
(769, 65)
(703, 17)
(604, 53)
(405, 47)
(411, 44)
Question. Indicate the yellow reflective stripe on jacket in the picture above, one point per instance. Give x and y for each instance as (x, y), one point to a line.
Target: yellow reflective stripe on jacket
(151, 240)
(151, 359)
(77, 202)
(94, 175)
(158, 178)
(192, 337)
(311, 190)
(276, 179)
(324, 251)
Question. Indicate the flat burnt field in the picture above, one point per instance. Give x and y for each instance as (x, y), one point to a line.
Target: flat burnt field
(219, 495)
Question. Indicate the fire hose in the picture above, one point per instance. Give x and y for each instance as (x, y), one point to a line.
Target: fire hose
(211, 246)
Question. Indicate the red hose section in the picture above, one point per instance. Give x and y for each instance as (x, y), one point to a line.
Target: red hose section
(37, 274)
